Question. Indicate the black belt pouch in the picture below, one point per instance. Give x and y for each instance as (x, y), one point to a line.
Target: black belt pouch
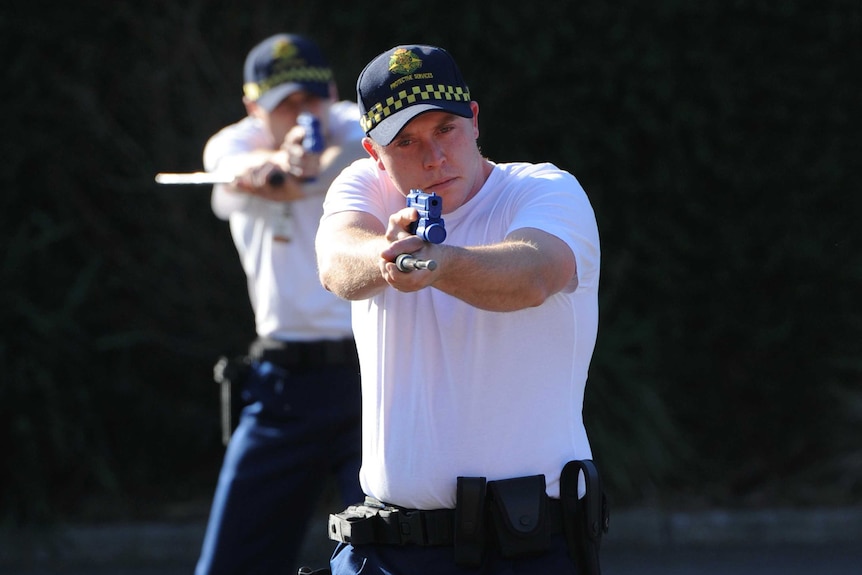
(469, 537)
(519, 510)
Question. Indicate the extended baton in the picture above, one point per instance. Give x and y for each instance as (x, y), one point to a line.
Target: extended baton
(312, 141)
(408, 263)
(202, 178)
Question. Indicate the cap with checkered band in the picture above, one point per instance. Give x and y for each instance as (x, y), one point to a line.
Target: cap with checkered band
(404, 82)
(281, 65)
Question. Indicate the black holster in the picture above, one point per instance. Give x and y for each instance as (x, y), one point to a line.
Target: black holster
(585, 520)
(231, 375)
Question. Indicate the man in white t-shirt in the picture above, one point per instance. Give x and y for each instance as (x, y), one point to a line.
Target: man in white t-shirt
(301, 406)
(474, 368)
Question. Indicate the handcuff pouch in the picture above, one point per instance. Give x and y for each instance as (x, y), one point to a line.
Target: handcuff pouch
(519, 512)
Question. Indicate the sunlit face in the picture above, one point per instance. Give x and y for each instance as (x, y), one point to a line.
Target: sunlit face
(283, 117)
(435, 152)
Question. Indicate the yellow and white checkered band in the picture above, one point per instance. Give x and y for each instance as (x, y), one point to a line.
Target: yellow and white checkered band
(253, 90)
(415, 95)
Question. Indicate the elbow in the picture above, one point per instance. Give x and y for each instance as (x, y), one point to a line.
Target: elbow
(326, 277)
(536, 296)
(336, 283)
(224, 202)
(552, 281)
(335, 288)
(538, 292)
(325, 283)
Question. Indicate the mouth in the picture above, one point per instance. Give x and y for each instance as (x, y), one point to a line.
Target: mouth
(440, 184)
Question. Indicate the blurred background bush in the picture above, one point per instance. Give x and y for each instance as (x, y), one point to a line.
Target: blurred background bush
(718, 144)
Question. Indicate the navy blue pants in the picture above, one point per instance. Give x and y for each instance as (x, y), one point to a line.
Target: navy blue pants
(414, 560)
(297, 429)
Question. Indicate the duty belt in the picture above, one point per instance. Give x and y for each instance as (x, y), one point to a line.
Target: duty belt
(302, 354)
(378, 523)
(516, 515)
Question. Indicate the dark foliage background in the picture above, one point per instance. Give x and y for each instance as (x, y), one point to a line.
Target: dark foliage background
(718, 143)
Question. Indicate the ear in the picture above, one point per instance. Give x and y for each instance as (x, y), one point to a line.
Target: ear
(369, 146)
(474, 105)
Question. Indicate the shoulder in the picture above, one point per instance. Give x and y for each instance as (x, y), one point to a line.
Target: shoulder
(246, 129)
(528, 170)
(344, 121)
(360, 187)
(362, 179)
(244, 136)
(344, 109)
(362, 170)
(529, 178)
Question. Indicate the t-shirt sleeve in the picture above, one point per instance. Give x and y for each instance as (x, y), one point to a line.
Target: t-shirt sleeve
(553, 201)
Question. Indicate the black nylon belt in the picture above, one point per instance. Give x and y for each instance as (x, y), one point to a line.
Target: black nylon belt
(391, 525)
(304, 354)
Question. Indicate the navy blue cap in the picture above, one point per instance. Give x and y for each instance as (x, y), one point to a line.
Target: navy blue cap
(404, 82)
(281, 65)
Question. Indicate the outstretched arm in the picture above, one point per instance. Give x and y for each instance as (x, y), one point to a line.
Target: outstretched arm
(348, 251)
(303, 173)
(356, 260)
(522, 271)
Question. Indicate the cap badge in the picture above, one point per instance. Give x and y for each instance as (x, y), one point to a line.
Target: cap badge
(404, 61)
(283, 50)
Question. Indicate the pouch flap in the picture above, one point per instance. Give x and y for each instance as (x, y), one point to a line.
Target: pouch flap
(521, 502)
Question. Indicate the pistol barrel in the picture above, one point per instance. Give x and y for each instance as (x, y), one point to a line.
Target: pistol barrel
(408, 263)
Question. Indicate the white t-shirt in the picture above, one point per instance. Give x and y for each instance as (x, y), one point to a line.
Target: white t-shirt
(288, 300)
(450, 390)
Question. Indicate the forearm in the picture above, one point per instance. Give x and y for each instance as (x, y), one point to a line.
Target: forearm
(355, 254)
(235, 165)
(348, 258)
(254, 175)
(518, 273)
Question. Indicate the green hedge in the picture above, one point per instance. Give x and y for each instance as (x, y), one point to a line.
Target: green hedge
(717, 144)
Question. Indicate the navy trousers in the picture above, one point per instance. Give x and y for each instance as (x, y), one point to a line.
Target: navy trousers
(297, 429)
(415, 560)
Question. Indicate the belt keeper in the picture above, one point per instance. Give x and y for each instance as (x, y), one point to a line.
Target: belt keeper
(470, 521)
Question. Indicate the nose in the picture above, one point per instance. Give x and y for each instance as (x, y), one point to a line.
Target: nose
(434, 155)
